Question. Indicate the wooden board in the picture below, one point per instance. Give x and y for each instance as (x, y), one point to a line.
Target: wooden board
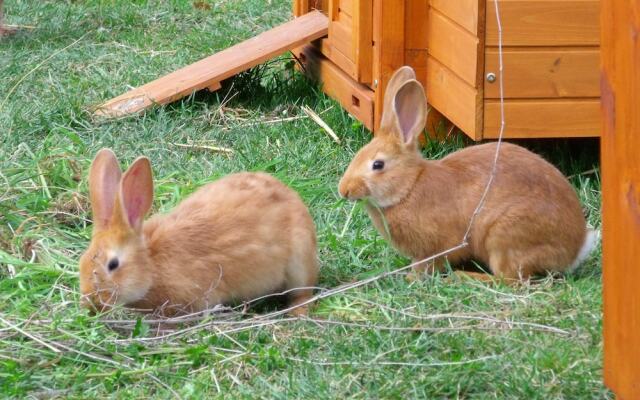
(350, 35)
(544, 22)
(417, 59)
(362, 47)
(463, 12)
(356, 98)
(454, 98)
(621, 195)
(415, 26)
(301, 7)
(454, 47)
(388, 46)
(213, 69)
(543, 118)
(545, 72)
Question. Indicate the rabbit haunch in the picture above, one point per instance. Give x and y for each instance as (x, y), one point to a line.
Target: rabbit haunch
(531, 221)
(241, 237)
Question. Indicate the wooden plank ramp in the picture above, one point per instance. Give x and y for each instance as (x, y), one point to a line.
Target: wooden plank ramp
(209, 72)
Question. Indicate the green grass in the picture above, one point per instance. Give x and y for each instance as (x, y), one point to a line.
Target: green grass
(432, 339)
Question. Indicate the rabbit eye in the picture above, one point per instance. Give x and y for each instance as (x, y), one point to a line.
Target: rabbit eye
(113, 264)
(378, 165)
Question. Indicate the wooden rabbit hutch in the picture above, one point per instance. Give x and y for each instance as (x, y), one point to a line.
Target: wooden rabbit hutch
(551, 61)
(550, 51)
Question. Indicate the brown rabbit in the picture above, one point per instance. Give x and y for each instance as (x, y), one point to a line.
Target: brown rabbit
(531, 222)
(243, 236)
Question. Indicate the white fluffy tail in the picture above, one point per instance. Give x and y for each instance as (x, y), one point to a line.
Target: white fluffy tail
(590, 242)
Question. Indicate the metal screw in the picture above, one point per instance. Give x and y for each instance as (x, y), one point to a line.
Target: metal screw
(375, 83)
(491, 77)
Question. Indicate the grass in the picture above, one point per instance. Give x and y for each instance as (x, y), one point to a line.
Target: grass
(391, 339)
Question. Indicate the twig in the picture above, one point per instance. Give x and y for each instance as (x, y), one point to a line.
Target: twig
(215, 149)
(29, 335)
(34, 69)
(316, 118)
(28, 27)
(396, 363)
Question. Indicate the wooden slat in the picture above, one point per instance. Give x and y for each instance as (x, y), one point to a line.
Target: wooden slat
(543, 118)
(301, 7)
(460, 102)
(621, 195)
(362, 45)
(454, 47)
(342, 61)
(415, 29)
(463, 12)
(356, 98)
(346, 6)
(545, 73)
(205, 73)
(544, 22)
(417, 59)
(389, 45)
(341, 38)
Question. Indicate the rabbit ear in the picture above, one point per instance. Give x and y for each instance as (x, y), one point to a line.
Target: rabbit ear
(104, 178)
(136, 192)
(402, 75)
(410, 111)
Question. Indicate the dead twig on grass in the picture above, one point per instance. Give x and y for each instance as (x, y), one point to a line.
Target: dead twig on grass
(215, 149)
(316, 118)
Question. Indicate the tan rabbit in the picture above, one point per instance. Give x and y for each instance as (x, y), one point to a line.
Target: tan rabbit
(531, 222)
(243, 236)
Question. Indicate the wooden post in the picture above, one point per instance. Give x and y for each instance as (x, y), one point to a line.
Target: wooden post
(388, 46)
(620, 102)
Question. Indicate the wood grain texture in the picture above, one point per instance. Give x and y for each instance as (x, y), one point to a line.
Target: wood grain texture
(356, 98)
(543, 118)
(222, 65)
(388, 47)
(453, 47)
(342, 61)
(462, 12)
(545, 72)
(453, 97)
(363, 44)
(415, 28)
(620, 142)
(544, 22)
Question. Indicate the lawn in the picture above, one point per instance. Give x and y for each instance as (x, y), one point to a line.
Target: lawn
(436, 338)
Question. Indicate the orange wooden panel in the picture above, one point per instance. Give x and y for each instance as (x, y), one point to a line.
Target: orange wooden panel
(205, 73)
(417, 59)
(544, 22)
(545, 72)
(350, 36)
(356, 98)
(341, 37)
(454, 47)
(363, 43)
(343, 62)
(465, 13)
(543, 118)
(415, 29)
(304, 6)
(347, 6)
(388, 48)
(621, 195)
(460, 102)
